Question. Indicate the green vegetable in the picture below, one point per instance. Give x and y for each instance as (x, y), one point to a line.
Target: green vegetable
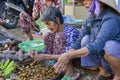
(6, 64)
(1, 65)
(11, 64)
(8, 72)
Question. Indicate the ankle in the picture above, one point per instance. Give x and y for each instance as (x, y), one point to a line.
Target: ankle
(104, 72)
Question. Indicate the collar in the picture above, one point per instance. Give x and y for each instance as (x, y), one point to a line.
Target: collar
(100, 17)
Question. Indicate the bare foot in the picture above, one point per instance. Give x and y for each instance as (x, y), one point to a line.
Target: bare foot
(116, 78)
(72, 72)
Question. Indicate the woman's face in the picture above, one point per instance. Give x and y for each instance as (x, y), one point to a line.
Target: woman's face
(51, 25)
(87, 3)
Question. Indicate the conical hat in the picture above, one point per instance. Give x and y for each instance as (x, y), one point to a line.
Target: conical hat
(111, 3)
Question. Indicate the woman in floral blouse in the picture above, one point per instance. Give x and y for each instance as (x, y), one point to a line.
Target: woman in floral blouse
(60, 40)
(27, 22)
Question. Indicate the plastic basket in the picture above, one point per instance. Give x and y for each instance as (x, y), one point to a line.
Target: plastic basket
(37, 45)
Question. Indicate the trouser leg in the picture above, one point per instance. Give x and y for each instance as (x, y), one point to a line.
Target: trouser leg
(94, 60)
(112, 55)
(91, 60)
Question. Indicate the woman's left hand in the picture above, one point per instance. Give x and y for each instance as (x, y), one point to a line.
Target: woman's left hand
(62, 63)
(34, 54)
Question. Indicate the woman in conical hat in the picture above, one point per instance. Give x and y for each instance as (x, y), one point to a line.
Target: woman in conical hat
(99, 43)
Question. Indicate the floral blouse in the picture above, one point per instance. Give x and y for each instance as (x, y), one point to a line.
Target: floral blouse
(40, 6)
(72, 34)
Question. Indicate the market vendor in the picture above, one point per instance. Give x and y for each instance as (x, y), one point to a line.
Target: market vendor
(61, 38)
(28, 23)
(99, 44)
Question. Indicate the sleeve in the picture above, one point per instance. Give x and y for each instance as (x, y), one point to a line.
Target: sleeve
(109, 30)
(59, 5)
(84, 31)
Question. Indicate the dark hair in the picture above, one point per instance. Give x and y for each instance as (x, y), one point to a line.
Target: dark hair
(52, 14)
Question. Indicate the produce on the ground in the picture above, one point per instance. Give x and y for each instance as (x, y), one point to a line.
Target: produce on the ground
(35, 71)
(13, 45)
(13, 55)
(2, 77)
(8, 68)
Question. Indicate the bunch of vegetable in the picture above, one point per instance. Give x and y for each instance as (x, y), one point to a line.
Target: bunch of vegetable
(8, 68)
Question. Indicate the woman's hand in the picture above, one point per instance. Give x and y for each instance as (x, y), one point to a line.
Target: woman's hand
(1, 21)
(62, 63)
(34, 54)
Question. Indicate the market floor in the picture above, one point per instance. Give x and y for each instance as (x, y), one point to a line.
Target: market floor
(86, 73)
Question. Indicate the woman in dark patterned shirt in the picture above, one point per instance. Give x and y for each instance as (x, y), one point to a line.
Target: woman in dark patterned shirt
(60, 40)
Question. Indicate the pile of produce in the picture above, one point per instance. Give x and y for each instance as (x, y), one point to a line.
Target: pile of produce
(7, 68)
(2, 77)
(35, 71)
(13, 55)
(13, 46)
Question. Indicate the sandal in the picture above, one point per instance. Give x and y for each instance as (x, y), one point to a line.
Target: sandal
(101, 77)
(58, 77)
(76, 76)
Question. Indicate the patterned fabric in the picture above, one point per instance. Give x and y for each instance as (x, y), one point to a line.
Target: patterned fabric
(40, 5)
(48, 41)
(27, 23)
(72, 34)
(59, 46)
(61, 41)
(55, 43)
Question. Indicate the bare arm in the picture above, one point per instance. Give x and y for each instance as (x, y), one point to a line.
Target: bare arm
(54, 57)
(50, 56)
(64, 59)
(78, 53)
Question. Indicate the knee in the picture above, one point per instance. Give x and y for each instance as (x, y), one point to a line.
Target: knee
(110, 46)
(107, 56)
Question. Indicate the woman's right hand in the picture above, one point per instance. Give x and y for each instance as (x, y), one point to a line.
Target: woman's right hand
(34, 54)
